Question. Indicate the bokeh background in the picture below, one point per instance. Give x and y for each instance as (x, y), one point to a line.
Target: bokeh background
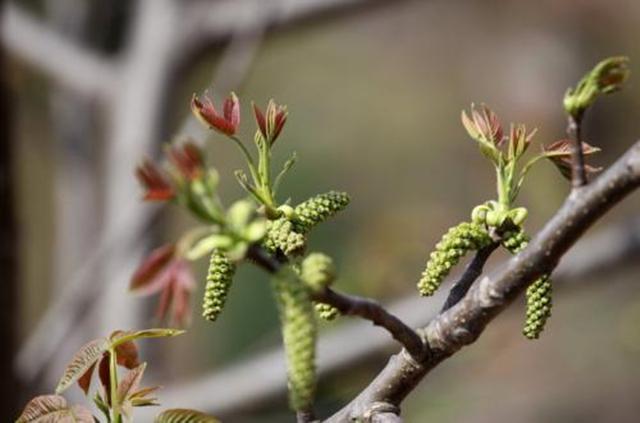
(375, 91)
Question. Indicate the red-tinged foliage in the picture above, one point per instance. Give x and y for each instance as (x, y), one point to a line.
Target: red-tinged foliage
(226, 123)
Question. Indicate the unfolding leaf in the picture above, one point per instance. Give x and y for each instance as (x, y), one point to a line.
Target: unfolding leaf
(53, 409)
(81, 362)
(85, 380)
(143, 398)
(181, 415)
(104, 372)
(128, 386)
(127, 353)
(121, 337)
(206, 245)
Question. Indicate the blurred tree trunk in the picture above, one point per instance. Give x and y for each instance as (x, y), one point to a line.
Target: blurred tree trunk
(8, 256)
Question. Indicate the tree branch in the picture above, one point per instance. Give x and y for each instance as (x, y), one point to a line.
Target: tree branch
(470, 274)
(578, 172)
(352, 306)
(463, 323)
(78, 69)
(371, 310)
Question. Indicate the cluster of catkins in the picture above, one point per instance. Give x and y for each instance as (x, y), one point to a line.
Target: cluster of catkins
(288, 235)
(293, 287)
(473, 236)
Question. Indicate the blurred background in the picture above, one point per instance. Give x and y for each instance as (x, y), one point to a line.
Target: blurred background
(374, 91)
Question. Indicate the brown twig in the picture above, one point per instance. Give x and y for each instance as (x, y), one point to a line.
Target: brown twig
(574, 131)
(463, 323)
(471, 273)
(371, 310)
(353, 306)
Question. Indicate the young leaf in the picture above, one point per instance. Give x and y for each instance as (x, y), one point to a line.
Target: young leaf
(128, 386)
(53, 408)
(206, 245)
(121, 337)
(127, 353)
(81, 362)
(181, 415)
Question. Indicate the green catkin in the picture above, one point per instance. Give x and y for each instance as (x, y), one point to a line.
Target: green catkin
(452, 247)
(219, 278)
(299, 333)
(326, 311)
(539, 305)
(283, 235)
(538, 295)
(317, 271)
(319, 208)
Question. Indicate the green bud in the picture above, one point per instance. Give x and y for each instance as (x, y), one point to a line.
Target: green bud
(453, 246)
(284, 236)
(326, 311)
(219, 279)
(299, 333)
(317, 271)
(606, 77)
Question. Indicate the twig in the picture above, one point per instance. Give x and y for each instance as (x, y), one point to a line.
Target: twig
(378, 315)
(462, 324)
(578, 172)
(353, 306)
(470, 274)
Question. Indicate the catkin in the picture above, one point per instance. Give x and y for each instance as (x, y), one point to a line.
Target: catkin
(538, 295)
(284, 236)
(317, 271)
(219, 278)
(326, 311)
(452, 247)
(319, 208)
(299, 333)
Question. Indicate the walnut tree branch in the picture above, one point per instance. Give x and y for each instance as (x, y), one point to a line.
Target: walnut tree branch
(463, 323)
(470, 274)
(353, 306)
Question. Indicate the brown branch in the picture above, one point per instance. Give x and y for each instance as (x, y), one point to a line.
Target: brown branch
(471, 273)
(578, 171)
(352, 306)
(462, 324)
(371, 310)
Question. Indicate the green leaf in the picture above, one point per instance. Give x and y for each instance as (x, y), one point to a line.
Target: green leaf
(240, 213)
(53, 408)
(207, 244)
(256, 230)
(82, 361)
(181, 415)
(121, 337)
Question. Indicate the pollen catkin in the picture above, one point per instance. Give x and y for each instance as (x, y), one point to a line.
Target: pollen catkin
(319, 208)
(538, 295)
(219, 278)
(326, 311)
(299, 334)
(283, 235)
(317, 271)
(538, 307)
(448, 252)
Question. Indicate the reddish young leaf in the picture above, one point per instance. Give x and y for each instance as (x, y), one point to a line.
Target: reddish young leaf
(53, 408)
(205, 111)
(126, 352)
(145, 279)
(81, 362)
(158, 188)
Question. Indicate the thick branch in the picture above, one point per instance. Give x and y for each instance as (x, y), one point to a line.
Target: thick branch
(353, 306)
(462, 324)
(65, 62)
